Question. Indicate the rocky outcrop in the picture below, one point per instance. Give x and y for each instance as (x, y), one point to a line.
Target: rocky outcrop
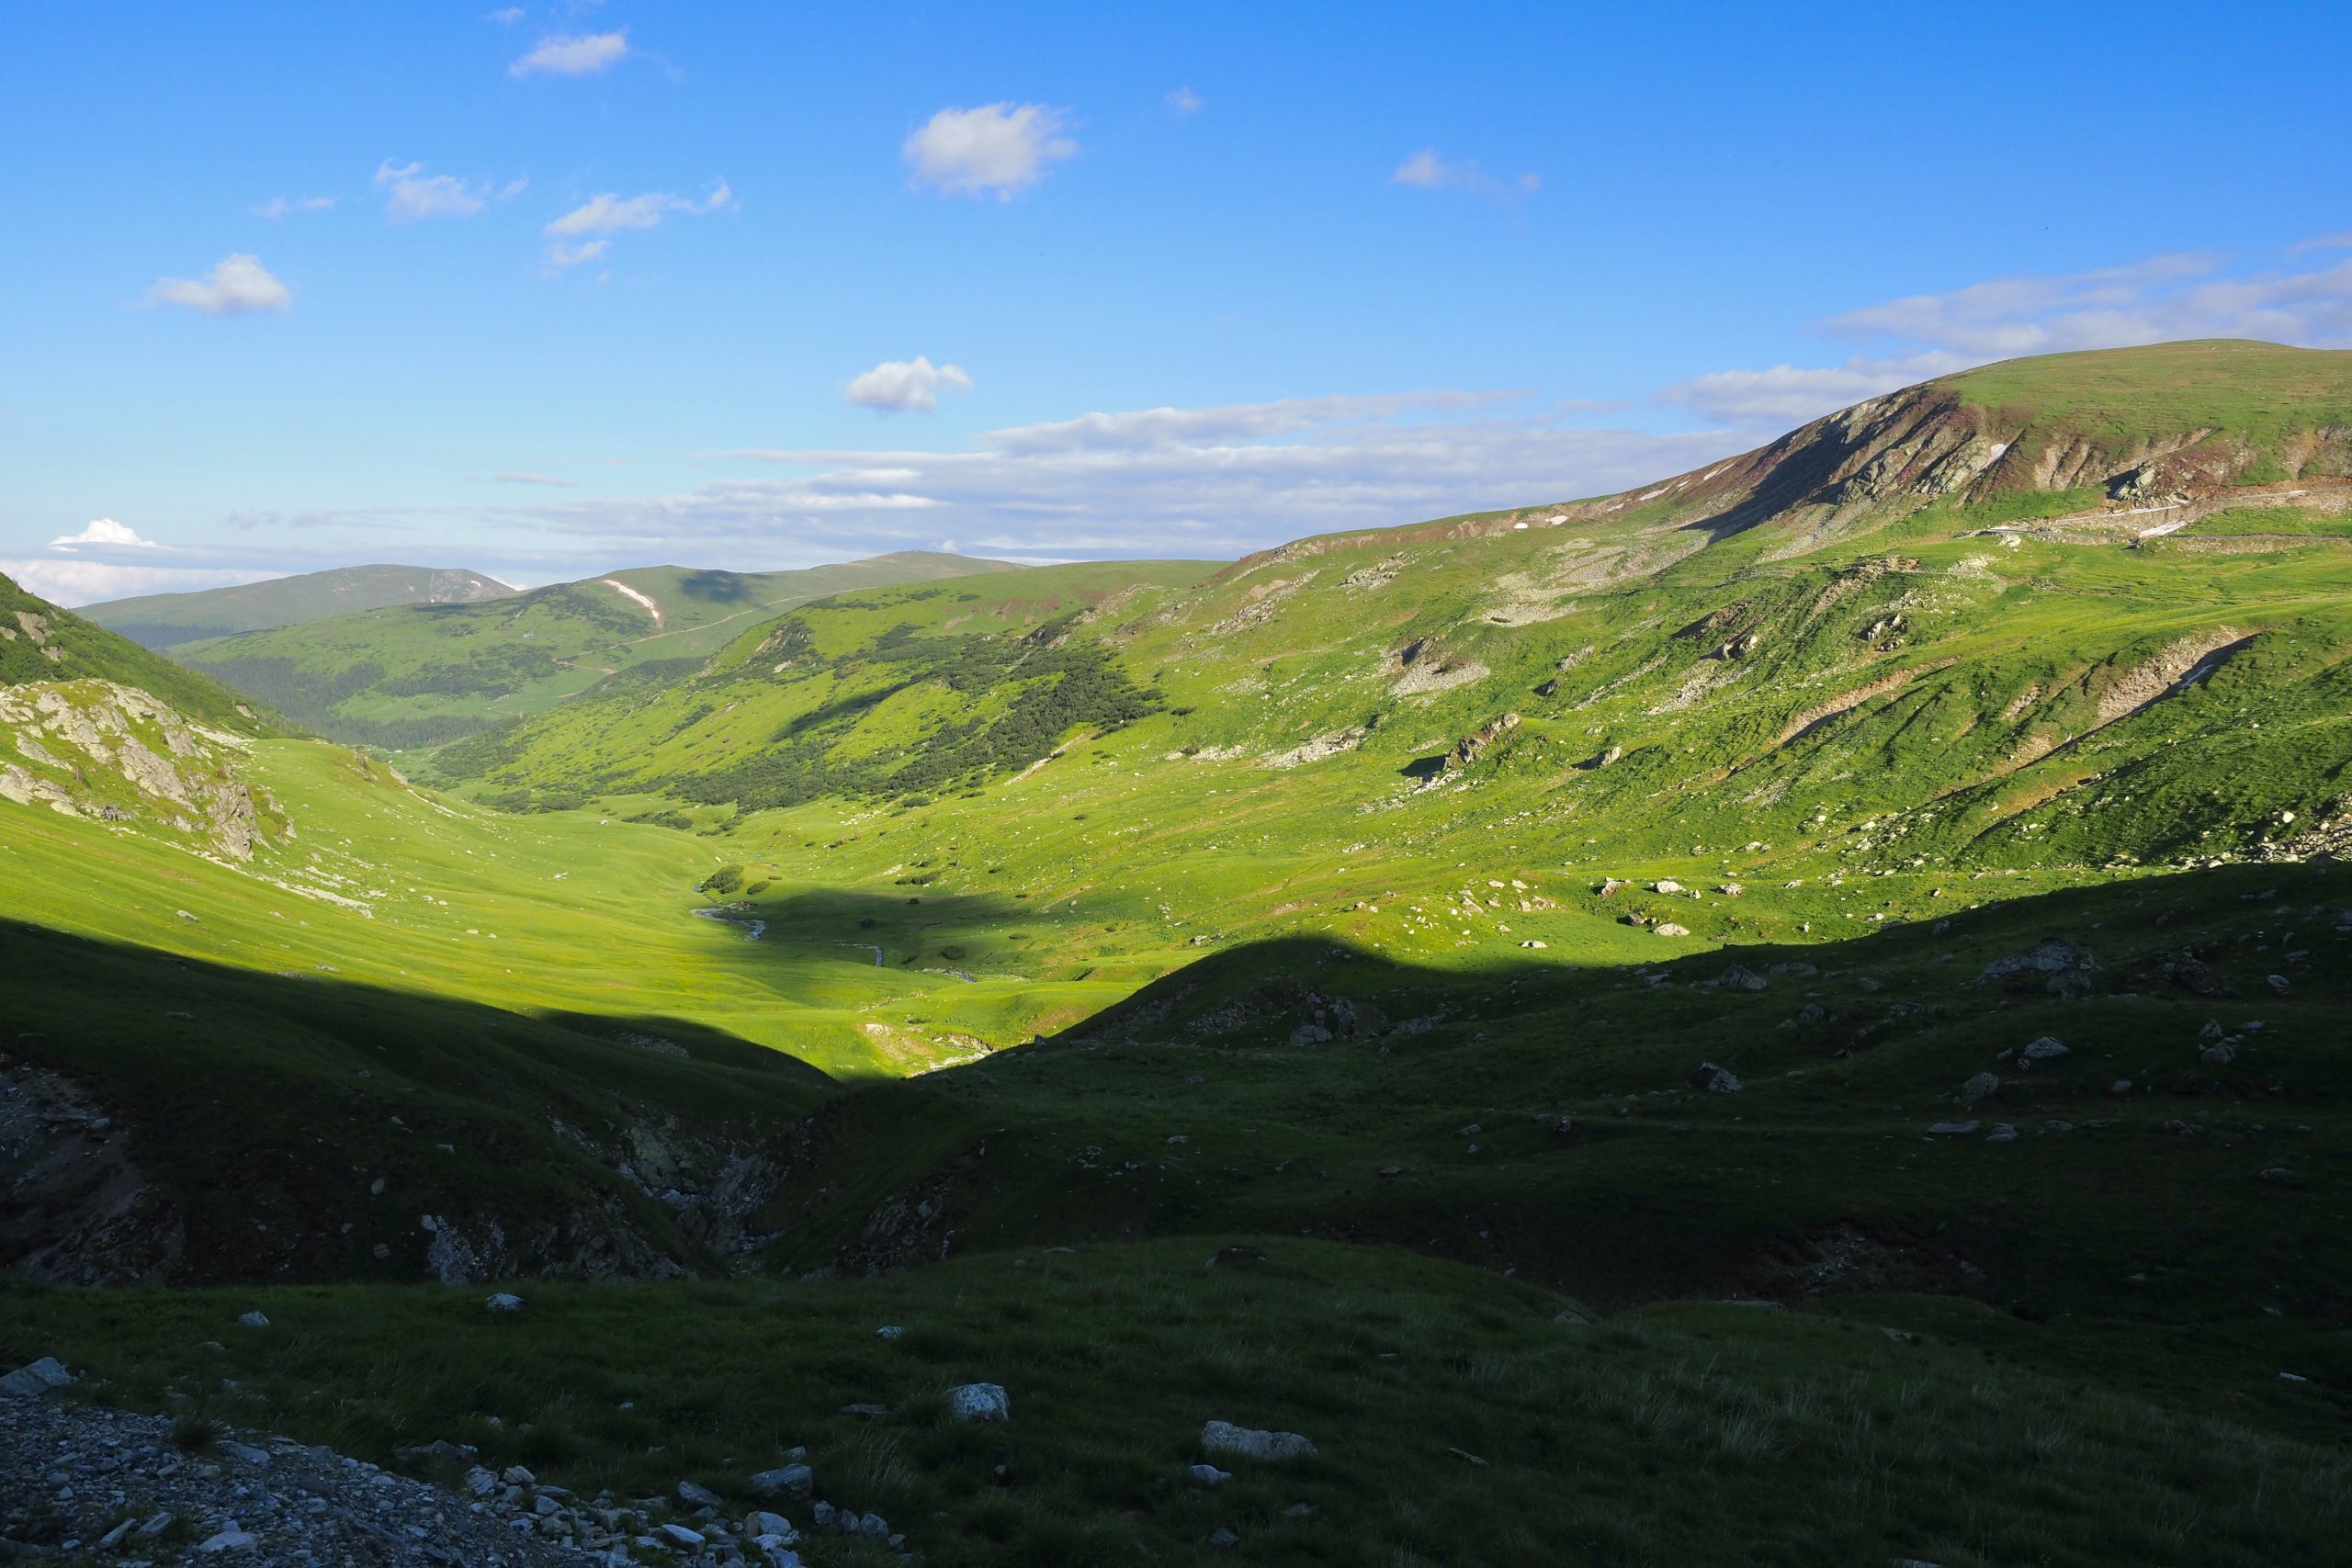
(102, 750)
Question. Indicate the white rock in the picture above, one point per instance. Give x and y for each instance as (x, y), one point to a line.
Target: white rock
(1248, 1442)
(760, 1522)
(230, 1539)
(978, 1402)
(504, 1302)
(888, 1331)
(1208, 1475)
(791, 1481)
(678, 1535)
(695, 1495)
(253, 1319)
(2046, 1049)
(35, 1378)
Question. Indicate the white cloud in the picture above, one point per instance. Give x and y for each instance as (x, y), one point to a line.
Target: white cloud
(1197, 483)
(74, 582)
(580, 54)
(410, 194)
(507, 16)
(562, 253)
(512, 476)
(996, 148)
(609, 214)
(104, 531)
(2161, 299)
(900, 386)
(1183, 100)
(1426, 170)
(2342, 242)
(1786, 395)
(280, 206)
(239, 285)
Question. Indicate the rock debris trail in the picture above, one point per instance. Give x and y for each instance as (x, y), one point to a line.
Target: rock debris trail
(85, 1484)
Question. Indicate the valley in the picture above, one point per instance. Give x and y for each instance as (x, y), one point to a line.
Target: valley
(1817, 984)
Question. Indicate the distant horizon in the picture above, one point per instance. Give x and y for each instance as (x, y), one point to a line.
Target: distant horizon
(545, 288)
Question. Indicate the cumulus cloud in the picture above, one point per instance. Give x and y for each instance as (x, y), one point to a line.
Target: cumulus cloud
(104, 531)
(994, 150)
(410, 194)
(1183, 100)
(278, 206)
(572, 54)
(1426, 170)
(2159, 299)
(906, 386)
(77, 582)
(239, 285)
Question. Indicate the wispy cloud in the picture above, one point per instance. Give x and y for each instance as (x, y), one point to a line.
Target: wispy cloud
(507, 16)
(278, 206)
(2160, 300)
(410, 194)
(995, 150)
(106, 533)
(1202, 482)
(572, 54)
(608, 214)
(76, 582)
(238, 286)
(1183, 100)
(1426, 170)
(513, 476)
(903, 386)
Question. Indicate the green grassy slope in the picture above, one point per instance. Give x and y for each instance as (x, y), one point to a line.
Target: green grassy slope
(1403, 890)
(417, 675)
(40, 642)
(166, 620)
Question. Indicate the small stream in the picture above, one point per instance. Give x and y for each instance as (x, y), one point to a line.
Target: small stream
(752, 928)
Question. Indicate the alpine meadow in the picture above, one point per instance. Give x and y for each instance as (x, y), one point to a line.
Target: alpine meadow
(1756, 971)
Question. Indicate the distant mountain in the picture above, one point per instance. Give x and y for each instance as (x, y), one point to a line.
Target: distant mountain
(421, 674)
(167, 620)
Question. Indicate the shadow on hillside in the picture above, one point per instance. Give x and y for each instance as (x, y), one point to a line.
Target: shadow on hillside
(911, 924)
(715, 586)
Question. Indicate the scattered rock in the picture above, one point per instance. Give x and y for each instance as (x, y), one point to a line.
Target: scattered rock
(254, 1319)
(2002, 1133)
(1740, 978)
(504, 1302)
(1667, 928)
(888, 1331)
(1715, 1078)
(34, 1379)
(789, 1481)
(695, 1495)
(978, 1402)
(1248, 1442)
(1951, 1129)
(1222, 1539)
(2046, 1049)
(1208, 1475)
(1983, 1086)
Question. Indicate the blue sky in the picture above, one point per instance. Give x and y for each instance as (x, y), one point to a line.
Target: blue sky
(547, 291)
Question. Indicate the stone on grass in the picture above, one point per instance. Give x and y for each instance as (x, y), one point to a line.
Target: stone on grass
(2046, 1049)
(1208, 1475)
(2002, 1133)
(1983, 1086)
(253, 1319)
(758, 1521)
(504, 1302)
(1715, 1078)
(888, 1331)
(695, 1495)
(978, 1402)
(35, 1378)
(1249, 1442)
(790, 1481)
(1222, 1539)
(1667, 928)
(1951, 1129)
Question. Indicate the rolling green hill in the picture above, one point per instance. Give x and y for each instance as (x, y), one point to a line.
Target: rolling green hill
(417, 675)
(1816, 985)
(166, 620)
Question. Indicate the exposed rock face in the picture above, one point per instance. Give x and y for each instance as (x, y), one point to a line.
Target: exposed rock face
(74, 1207)
(101, 750)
